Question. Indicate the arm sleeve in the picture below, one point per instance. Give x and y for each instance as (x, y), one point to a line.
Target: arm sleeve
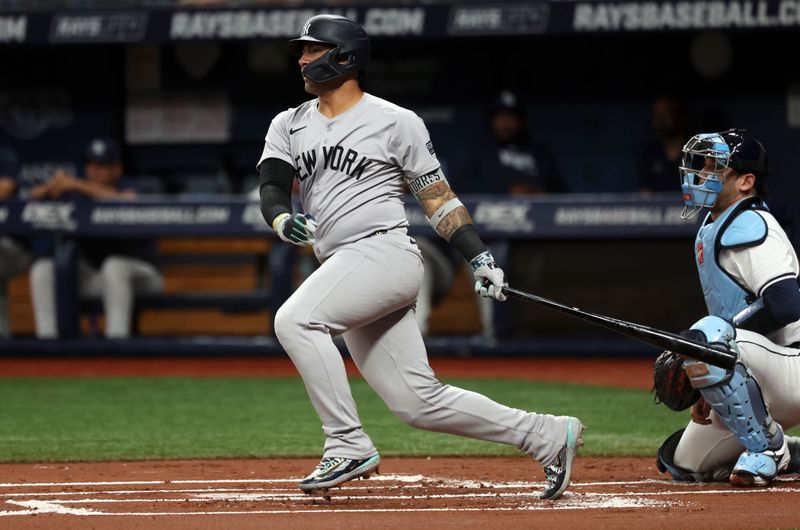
(467, 241)
(781, 307)
(782, 300)
(275, 188)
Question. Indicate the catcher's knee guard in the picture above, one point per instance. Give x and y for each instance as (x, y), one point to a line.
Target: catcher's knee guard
(793, 443)
(665, 460)
(733, 394)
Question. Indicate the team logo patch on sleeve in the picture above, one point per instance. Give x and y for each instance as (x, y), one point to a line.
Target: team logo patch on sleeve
(700, 255)
(431, 150)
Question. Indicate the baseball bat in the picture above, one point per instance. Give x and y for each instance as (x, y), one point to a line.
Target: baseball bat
(662, 339)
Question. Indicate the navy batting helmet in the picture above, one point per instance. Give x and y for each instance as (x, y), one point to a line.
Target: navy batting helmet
(747, 154)
(350, 44)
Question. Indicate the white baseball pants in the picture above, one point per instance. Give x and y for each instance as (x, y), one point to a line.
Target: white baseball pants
(709, 448)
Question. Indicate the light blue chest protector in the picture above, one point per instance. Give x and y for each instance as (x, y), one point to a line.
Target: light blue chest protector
(739, 226)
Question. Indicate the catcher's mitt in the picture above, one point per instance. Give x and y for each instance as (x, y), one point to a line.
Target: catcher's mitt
(671, 384)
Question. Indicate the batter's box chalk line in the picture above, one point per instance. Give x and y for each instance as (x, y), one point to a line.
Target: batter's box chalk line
(102, 499)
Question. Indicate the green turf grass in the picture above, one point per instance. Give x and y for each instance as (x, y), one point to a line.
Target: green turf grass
(143, 418)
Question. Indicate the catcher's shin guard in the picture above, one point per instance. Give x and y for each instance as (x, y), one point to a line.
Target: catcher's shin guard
(733, 394)
(737, 399)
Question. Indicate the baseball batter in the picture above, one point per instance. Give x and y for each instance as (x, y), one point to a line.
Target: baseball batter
(351, 152)
(749, 274)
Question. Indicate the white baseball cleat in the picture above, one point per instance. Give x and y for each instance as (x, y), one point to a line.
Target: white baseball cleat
(557, 473)
(334, 471)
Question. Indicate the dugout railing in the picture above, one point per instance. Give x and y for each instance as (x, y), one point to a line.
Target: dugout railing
(580, 220)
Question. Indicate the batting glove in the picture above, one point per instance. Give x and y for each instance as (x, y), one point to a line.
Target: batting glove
(296, 228)
(489, 278)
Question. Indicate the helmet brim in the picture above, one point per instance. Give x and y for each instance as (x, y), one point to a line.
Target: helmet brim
(295, 46)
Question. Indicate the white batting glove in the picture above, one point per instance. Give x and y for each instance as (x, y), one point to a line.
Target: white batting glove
(296, 228)
(489, 278)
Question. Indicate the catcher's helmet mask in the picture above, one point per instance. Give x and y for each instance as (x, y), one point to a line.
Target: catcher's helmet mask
(349, 40)
(734, 149)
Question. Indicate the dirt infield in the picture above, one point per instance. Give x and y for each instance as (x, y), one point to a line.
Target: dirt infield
(409, 493)
(434, 493)
(626, 373)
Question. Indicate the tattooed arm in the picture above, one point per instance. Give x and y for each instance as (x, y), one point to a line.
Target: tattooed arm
(443, 209)
(452, 221)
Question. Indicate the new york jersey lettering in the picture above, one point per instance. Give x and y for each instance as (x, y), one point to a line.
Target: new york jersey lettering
(309, 159)
(334, 158)
(351, 169)
(337, 159)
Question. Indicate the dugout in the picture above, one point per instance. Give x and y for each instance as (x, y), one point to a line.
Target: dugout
(191, 98)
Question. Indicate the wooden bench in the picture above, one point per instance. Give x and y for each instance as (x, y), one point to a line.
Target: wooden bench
(219, 286)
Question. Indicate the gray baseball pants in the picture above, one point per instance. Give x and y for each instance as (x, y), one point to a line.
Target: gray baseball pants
(366, 292)
(14, 259)
(117, 281)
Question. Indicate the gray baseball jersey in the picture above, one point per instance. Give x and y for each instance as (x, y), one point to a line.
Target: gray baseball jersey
(351, 168)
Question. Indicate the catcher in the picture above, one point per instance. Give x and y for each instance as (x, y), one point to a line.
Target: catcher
(749, 274)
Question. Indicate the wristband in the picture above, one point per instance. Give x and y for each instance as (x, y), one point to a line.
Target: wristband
(277, 221)
(439, 215)
(467, 241)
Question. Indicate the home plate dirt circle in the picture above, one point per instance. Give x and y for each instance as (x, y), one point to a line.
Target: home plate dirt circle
(422, 493)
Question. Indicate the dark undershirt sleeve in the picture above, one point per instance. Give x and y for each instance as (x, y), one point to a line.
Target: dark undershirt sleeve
(467, 241)
(781, 307)
(275, 188)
